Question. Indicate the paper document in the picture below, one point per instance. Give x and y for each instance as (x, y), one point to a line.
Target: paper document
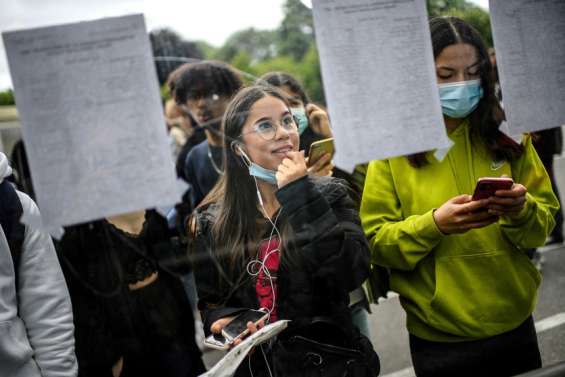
(529, 38)
(379, 78)
(227, 366)
(92, 119)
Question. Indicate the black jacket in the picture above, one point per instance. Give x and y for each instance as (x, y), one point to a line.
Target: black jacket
(334, 259)
(150, 328)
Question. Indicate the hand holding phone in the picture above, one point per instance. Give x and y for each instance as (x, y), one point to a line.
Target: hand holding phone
(319, 148)
(461, 214)
(508, 201)
(487, 187)
(238, 329)
(217, 341)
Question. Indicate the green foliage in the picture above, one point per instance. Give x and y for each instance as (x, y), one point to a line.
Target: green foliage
(209, 51)
(444, 7)
(7, 98)
(312, 76)
(296, 32)
(242, 61)
(480, 20)
(291, 48)
(257, 44)
(465, 10)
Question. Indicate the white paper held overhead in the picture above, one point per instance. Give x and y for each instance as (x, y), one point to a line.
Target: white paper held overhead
(89, 104)
(379, 78)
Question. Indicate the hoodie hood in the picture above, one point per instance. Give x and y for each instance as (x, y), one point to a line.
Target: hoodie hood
(5, 169)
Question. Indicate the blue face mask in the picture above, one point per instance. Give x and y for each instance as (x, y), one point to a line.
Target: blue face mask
(258, 171)
(299, 113)
(459, 99)
(263, 174)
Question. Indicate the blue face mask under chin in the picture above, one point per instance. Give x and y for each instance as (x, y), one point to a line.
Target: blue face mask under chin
(263, 174)
(258, 171)
(299, 113)
(459, 99)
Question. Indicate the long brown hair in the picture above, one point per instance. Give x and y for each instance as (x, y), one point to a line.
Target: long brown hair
(486, 118)
(239, 223)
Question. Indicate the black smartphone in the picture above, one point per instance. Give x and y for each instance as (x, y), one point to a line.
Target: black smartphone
(237, 328)
(217, 341)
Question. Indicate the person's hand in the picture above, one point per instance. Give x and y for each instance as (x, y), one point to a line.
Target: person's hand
(217, 327)
(252, 328)
(318, 120)
(291, 168)
(461, 214)
(323, 167)
(117, 368)
(508, 202)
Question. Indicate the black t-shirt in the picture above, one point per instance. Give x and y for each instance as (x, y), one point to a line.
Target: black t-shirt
(196, 138)
(144, 326)
(202, 170)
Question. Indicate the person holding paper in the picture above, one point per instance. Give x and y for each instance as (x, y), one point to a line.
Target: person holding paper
(270, 236)
(458, 264)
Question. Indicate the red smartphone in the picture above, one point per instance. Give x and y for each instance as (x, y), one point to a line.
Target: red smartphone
(487, 186)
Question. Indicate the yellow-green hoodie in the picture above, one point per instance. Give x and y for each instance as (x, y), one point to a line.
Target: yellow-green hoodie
(457, 287)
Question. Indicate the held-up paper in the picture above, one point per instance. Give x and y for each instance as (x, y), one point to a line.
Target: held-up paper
(227, 366)
(379, 78)
(529, 38)
(92, 119)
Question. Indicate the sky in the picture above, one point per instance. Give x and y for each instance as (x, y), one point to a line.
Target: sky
(210, 20)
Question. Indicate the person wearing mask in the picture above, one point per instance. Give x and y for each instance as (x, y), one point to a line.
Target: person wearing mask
(313, 121)
(36, 318)
(313, 125)
(270, 236)
(458, 264)
(178, 127)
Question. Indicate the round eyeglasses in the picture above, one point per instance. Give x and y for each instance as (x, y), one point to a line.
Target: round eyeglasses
(267, 129)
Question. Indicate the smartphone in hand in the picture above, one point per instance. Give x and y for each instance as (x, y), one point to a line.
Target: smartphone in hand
(217, 341)
(319, 148)
(487, 186)
(237, 328)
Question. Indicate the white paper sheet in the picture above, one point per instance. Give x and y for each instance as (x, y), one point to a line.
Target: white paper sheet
(379, 78)
(92, 119)
(227, 366)
(529, 38)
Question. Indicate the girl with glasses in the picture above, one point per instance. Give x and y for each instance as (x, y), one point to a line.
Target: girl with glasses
(271, 237)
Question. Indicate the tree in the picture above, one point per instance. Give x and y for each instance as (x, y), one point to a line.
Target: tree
(259, 45)
(480, 20)
(7, 98)
(167, 43)
(209, 51)
(443, 7)
(474, 15)
(296, 32)
(312, 76)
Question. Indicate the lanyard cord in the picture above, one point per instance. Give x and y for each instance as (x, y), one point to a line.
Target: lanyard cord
(216, 168)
